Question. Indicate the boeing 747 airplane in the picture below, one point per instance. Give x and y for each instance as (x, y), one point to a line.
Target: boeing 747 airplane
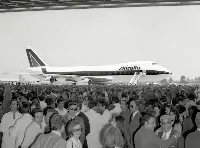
(131, 72)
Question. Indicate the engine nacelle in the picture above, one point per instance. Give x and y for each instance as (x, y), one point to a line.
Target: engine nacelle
(51, 79)
(85, 81)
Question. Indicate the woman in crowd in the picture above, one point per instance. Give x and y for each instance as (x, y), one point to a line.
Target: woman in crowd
(74, 130)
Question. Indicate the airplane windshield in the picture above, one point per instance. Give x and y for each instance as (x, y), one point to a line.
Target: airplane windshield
(154, 63)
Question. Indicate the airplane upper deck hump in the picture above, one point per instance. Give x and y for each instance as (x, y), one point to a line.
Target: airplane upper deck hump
(33, 59)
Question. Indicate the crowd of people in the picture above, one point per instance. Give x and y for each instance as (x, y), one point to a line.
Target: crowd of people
(95, 116)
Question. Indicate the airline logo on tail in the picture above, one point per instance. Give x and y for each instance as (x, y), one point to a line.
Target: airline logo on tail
(33, 59)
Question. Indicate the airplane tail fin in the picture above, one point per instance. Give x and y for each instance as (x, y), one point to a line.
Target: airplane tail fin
(34, 59)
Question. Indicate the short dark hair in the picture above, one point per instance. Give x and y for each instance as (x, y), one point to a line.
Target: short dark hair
(132, 99)
(181, 109)
(60, 100)
(103, 103)
(49, 100)
(92, 103)
(115, 99)
(25, 107)
(121, 120)
(41, 98)
(35, 110)
(147, 117)
(45, 110)
(72, 103)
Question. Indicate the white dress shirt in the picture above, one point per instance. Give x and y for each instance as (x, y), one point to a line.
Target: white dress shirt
(56, 133)
(17, 132)
(7, 121)
(31, 132)
(133, 116)
(165, 135)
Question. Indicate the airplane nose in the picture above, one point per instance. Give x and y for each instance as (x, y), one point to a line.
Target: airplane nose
(166, 70)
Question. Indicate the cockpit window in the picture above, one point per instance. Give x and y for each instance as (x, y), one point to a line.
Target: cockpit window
(154, 63)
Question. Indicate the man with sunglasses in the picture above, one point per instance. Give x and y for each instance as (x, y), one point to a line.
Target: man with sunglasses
(71, 115)
(135, 120)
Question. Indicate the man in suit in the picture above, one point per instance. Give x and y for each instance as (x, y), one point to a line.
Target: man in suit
(167, 131)
(126, 113)
(193, 139)
(134, 121)
(188, 123)
(147, 138)
(86, 122)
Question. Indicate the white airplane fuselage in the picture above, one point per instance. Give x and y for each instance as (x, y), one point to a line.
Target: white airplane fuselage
(119, 73)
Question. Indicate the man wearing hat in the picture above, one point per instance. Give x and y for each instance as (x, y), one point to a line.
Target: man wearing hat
(168, 131)
(193, 139)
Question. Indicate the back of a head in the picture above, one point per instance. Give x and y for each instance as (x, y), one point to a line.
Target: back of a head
(25, 107)
(146, 118)
(112, 137)
(115, 99)
(56, 122)
(120, 121)
(92, 103)
(191, 96)
(49, 101)
(181, 109)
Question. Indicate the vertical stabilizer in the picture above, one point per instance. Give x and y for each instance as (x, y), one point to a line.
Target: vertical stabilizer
(34, 59)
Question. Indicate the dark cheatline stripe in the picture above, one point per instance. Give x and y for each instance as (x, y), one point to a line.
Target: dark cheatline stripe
(105, 73)
(29, 51)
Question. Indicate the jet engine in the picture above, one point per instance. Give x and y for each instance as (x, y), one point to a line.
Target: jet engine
(85, 81)
(52, 79)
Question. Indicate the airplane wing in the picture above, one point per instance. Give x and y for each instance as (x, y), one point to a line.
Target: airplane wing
(23, 73)
(75, 78)
(99, 78)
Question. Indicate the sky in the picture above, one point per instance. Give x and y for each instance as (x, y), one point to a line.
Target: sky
(167, 35)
